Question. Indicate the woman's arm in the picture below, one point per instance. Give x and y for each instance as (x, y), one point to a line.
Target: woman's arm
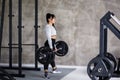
(48, 34)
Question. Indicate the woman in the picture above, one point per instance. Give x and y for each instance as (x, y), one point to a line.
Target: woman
(51, 37)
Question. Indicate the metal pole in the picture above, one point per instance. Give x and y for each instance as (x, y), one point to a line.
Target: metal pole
(20, 36)
(10, 33)
(36, 31)
(103, 39)
(2, 23)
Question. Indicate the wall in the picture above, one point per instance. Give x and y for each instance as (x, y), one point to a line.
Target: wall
(77, 23)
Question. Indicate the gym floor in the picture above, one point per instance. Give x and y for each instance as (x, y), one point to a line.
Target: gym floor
(68, 73)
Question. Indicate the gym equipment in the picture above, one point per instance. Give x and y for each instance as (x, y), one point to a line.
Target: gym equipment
(104, 65)
(62, 48)
(5, 76)
(100, 68)
(45, 54)
(112, 58)
(19, 45)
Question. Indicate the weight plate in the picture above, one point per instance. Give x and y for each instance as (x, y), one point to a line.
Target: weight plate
(62, 48)
(112, 58)
(44, 55)
(99, 68)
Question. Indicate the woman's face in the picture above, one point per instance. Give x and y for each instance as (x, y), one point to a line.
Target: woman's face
(52, 20)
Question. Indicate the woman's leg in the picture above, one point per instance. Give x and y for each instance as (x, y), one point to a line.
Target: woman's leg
(53, 62)
(53, 66)
(46, 65)
(46, 69)
(53, 56)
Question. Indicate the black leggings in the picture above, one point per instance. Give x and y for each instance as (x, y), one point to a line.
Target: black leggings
(46, 65)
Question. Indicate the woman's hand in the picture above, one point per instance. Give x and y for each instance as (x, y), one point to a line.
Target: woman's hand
(55, 50)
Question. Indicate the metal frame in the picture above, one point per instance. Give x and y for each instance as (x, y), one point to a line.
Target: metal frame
(104, 25)
(36, 32)
(19, 44)
(20, 36)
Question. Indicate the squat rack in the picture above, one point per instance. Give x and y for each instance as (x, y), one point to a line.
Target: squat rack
(19, 44)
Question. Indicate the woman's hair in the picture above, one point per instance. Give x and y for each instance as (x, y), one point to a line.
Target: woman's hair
(48, 16)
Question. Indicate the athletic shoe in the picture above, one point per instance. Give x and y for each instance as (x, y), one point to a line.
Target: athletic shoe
(55, 71)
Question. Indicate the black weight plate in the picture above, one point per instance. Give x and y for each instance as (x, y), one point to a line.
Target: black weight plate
(112, 58)
(99, 68)
(44, 55)
(41, 56)
(62, 48)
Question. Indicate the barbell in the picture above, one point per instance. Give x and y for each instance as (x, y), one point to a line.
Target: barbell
(46, 55)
